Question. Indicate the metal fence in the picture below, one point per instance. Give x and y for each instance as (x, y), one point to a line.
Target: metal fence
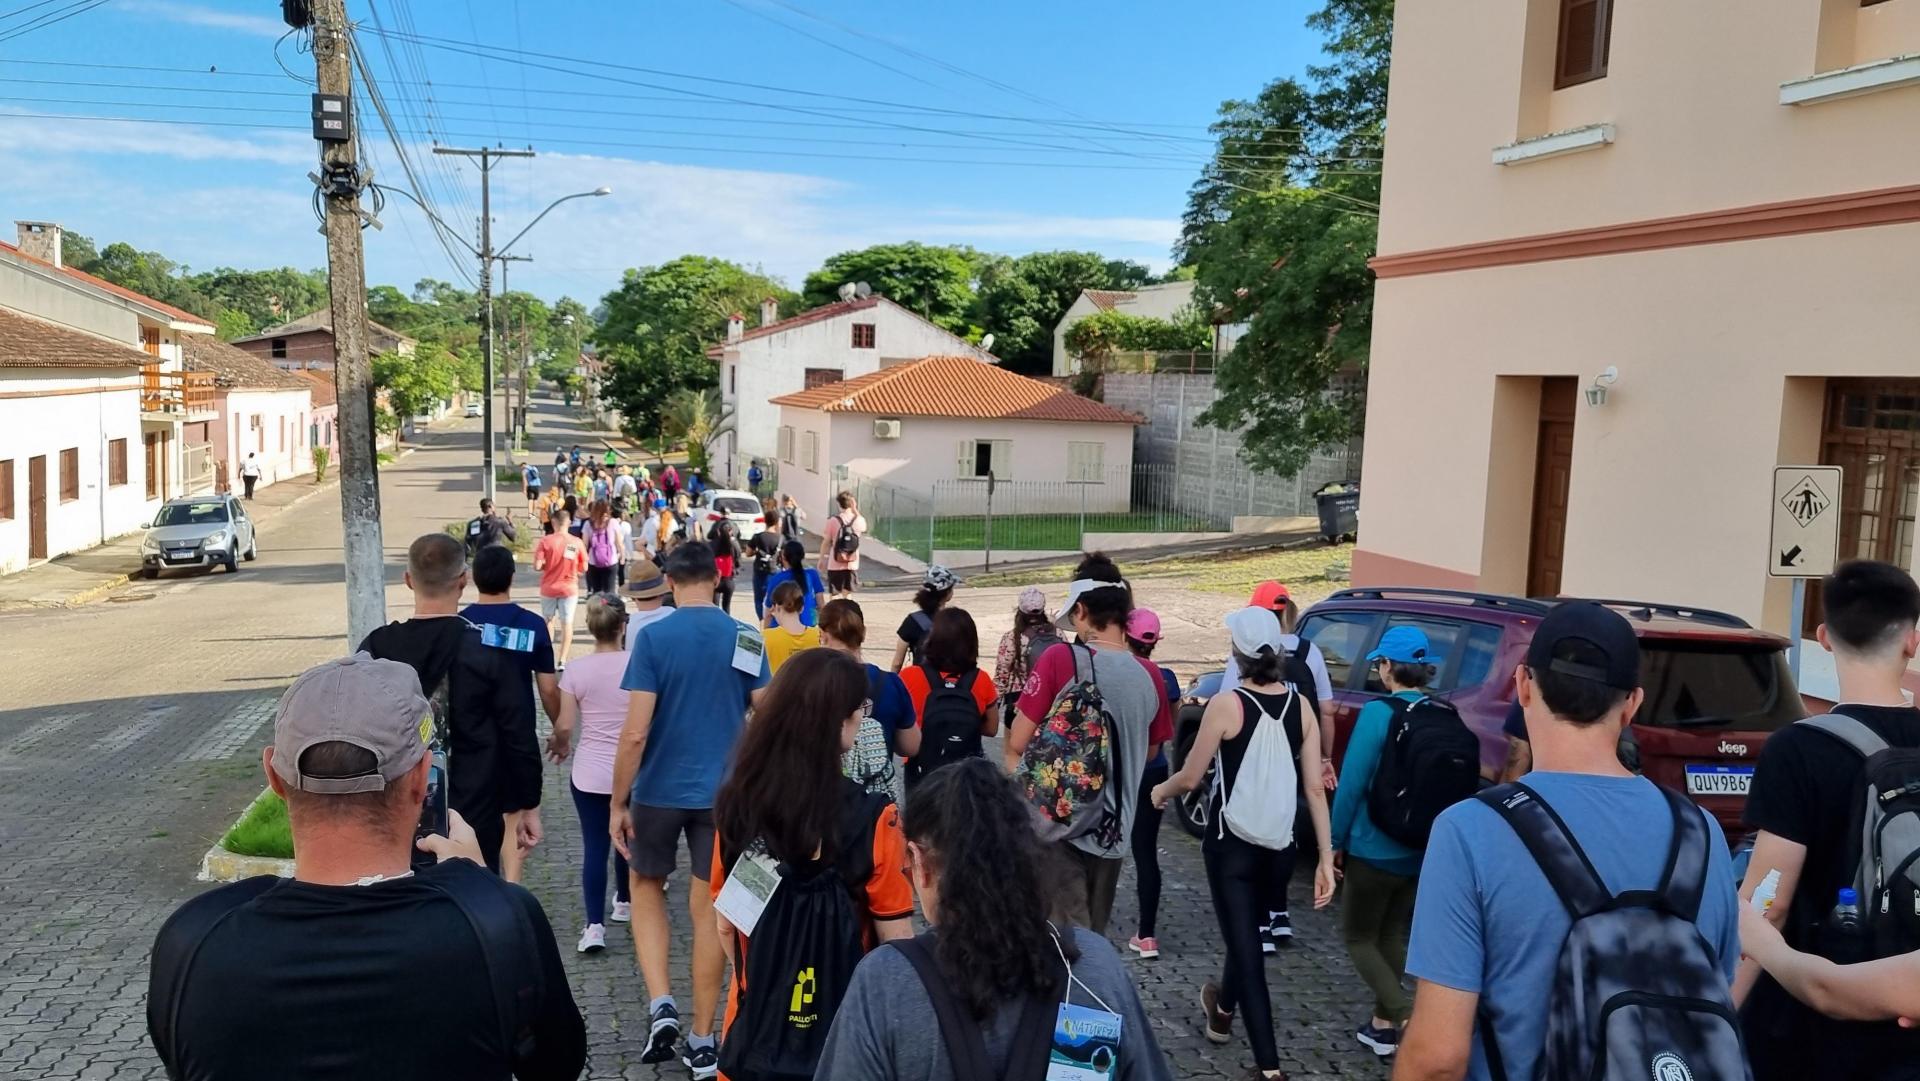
(1124, 360)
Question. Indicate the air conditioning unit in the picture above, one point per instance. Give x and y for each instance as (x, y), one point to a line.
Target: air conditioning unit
(886, 429)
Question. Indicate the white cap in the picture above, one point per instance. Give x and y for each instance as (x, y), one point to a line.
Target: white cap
(1081, 586)
(1253, 628)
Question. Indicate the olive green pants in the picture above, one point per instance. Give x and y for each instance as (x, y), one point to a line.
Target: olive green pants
(1376, 919)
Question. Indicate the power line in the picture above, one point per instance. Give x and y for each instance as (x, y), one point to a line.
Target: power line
(57, 15)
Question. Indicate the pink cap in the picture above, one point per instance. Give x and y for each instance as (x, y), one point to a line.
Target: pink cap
(1143, 626)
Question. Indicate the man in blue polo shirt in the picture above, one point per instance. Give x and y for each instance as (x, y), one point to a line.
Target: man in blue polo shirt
(692, 678)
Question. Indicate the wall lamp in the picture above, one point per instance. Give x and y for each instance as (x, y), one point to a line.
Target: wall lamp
(1597, 393)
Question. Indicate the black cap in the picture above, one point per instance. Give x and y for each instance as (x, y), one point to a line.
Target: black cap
(1587, 641)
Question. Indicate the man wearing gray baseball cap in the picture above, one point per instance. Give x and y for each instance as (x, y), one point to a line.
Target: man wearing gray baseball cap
(360, 965)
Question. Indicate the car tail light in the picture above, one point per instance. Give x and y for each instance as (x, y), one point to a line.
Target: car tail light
(759, 519)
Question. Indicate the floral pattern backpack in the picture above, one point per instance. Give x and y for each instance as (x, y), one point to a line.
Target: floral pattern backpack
(1072, 757)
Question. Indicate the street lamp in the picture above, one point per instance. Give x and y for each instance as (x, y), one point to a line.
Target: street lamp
(603, 190)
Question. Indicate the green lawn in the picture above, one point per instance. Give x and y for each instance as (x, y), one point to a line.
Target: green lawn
(262, 831)
(1030, 532)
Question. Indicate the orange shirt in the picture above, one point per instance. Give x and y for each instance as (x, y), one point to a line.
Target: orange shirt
(915, 677)
(562, 559)
(889, 896)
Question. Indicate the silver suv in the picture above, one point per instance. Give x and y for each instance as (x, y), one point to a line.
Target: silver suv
(198, 531)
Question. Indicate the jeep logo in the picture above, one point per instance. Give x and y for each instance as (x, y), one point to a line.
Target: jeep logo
(1732, 748)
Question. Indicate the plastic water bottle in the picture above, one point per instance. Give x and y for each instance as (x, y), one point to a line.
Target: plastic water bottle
(1846, 914)
(1766, 891)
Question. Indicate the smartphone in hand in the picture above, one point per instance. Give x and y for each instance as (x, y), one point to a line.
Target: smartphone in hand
(433, 813)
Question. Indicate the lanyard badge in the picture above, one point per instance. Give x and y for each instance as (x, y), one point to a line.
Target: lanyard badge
(1086, 1040)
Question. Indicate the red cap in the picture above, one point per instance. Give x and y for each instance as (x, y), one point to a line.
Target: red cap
(1271, 595)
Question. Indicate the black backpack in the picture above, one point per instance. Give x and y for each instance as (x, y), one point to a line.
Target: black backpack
(1430, 762)
(802, 954)
(1883, 849)
(1638, 993)
(847, 544)
(949, 723)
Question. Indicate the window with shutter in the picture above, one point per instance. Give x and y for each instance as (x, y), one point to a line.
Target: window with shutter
(863, 336)
(785, 444)
(70, 474)
(116, 462)
(810, 451)
(1086, 461)
(1586, 30)
(6, 490)
(1002, 464)
(150, 340)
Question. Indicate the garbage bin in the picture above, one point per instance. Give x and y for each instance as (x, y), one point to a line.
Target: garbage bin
(1339, 506)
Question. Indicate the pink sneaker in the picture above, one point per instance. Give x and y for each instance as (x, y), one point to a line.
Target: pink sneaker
(1147, 948)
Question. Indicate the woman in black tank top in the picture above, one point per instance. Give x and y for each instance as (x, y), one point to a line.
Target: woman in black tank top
(1238, 869)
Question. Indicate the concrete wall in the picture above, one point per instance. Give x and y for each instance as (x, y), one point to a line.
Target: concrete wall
(1209, 477)
(82, 410)
(47, 294)
(279, 410)
(1693, 88)
(310, 349)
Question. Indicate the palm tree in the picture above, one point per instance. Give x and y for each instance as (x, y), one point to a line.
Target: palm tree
(696, 416)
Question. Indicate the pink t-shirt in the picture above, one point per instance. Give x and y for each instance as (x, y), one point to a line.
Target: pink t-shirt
(562, 559)
(594, 682)
(833, 527)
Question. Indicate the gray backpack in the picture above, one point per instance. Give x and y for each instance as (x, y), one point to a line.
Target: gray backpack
(1884, 850)
(1638, 994)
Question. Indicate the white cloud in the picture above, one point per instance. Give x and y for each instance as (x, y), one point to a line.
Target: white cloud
(53, 135)
(196, 15)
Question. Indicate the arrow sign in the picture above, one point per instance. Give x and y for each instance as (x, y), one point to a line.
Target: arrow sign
(1790, 557)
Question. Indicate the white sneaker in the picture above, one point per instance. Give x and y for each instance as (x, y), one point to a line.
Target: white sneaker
(622, 912)
(593, 939)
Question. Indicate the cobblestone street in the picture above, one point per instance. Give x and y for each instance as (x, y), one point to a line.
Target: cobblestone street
(130, 739)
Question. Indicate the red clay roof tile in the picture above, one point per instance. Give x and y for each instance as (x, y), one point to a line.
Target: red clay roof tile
(954, 387)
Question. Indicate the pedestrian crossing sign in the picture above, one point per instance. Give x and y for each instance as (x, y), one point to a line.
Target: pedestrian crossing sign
(1806, 521)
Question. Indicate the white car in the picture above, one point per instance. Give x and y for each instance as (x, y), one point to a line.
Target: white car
(741, 508)
(473, 409)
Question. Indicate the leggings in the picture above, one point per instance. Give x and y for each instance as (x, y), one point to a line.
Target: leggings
(600, 579)
(1146, 846)
(1236, 871)
(594, 809)
(1273, 890)
(760, 592)
(723, 594)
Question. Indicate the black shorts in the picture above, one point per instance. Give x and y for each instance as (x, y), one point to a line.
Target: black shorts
(533, 492)
(655, 846)
(842, 581)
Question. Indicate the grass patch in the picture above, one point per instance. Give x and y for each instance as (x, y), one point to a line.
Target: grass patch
(519, 546)
(1030, 532)
(262, 831)
(1303, 569)
(384, 457)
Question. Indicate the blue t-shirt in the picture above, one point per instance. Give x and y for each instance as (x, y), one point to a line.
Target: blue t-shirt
(808, 615)
(686, 661)
(892, 707)
(1353, 829)
(532, 650)
(1486, 921)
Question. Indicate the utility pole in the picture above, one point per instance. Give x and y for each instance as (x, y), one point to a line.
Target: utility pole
(340, 179)
(508, 381)
(487, 156)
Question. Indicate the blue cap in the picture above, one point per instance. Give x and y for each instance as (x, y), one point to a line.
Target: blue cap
(1404, 645)
(1849, 897)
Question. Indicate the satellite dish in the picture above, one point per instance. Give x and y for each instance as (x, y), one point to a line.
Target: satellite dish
(986, 344)
(846, 291)
(862, 290)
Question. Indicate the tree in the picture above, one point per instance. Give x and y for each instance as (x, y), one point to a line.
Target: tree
(696, 417)
(233, 323)
(414, 383)
(659, 323)
(1104, 333)
(936, 282)
(1279, 228)
(1022, 299)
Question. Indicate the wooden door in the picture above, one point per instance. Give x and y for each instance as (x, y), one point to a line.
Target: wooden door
(37, 507)
(151, 444)
(1552, 479)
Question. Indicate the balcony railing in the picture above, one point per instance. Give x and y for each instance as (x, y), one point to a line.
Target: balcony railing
(176, 392)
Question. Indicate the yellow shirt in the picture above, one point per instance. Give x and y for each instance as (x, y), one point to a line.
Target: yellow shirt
(783, 643)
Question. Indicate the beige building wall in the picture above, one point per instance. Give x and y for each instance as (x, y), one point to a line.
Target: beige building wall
(1630, 255)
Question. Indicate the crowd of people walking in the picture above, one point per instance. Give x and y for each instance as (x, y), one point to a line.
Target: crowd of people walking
(894, 899)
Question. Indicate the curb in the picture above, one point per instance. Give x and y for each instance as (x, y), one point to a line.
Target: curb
(220, 865)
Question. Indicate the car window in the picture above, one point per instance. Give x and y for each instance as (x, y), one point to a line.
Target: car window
(1477, 656)
(1715, 685)
(1341, 636)
(191, 513)
(733, 504)
(1443, 636)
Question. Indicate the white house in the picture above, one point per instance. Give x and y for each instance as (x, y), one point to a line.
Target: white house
(172, 407)
(843, 340)
(263, 410)
(1152, 301)
(71, 474)
(943, 420)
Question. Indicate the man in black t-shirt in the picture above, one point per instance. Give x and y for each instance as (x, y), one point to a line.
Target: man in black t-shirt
(493, 753)
(361, 966)
(1806, 795)
(765, 547)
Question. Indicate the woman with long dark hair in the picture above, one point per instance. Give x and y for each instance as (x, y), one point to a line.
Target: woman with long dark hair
(1032, 633)
(953, 700)
(793, 568)
(992, 958)
(787, 806)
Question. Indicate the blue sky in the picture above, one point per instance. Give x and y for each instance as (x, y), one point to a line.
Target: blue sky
(1011, 126)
